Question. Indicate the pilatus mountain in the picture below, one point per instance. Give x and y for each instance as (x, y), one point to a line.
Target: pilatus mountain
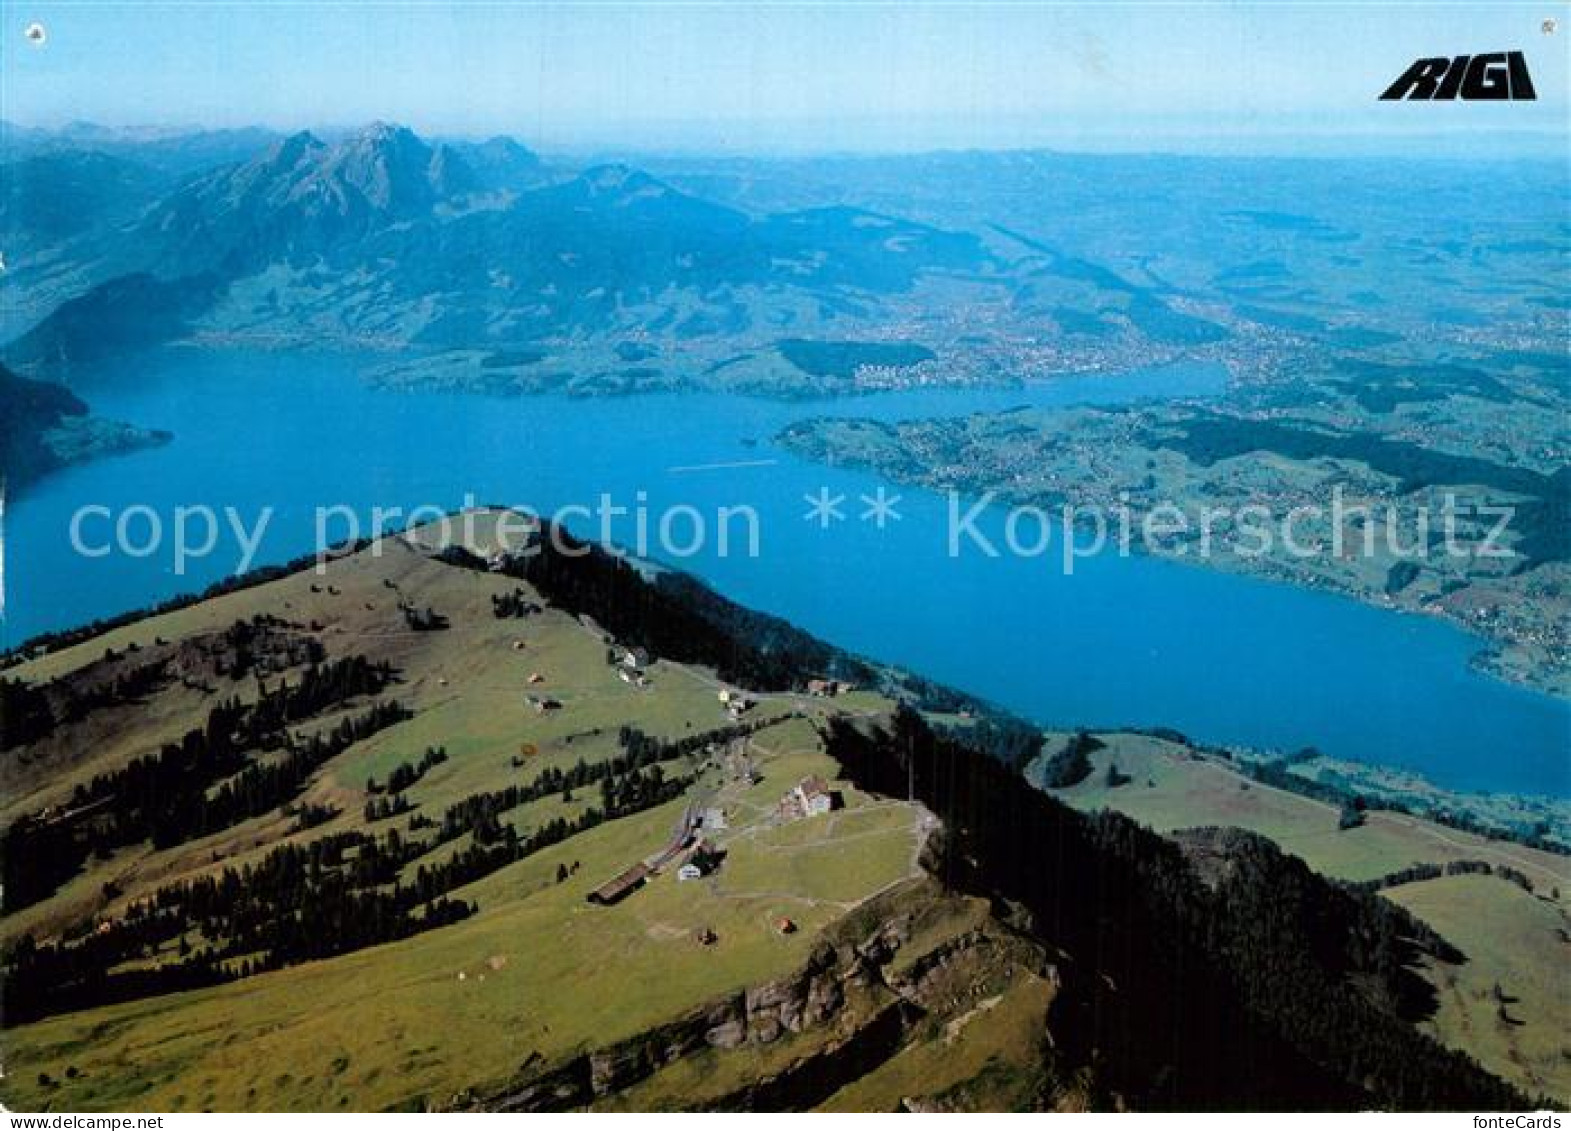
(386, 240)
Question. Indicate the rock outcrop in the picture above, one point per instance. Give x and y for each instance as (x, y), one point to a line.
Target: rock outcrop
(846, 985)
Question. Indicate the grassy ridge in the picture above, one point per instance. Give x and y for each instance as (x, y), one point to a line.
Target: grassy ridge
(538, 972)
(1511, 937)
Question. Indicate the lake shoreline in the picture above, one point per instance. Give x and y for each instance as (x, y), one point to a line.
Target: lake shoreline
(1497, 656)
(1122, 642)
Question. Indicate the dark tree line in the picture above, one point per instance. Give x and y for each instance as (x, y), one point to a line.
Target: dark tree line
(639, 751)
(26, 715)
(386, 808)
(1071, 765)
(339, 893)
(320, 687)
(165, 797)
(29, 714)
(422, 620)
(129, 686)
(309, 816)
(299, 903)
(675, 616)
(1331, 790)
(405, 774)
(1014, 742)
(265, 642)
(514, 605)
(1219, 974)
(1418, 873)
(263, 787)
(54, 641)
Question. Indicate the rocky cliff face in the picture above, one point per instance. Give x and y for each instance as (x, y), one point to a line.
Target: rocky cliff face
(848, 991)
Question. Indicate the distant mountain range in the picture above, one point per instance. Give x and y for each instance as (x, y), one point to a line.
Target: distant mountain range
(171, 153)
(478, 264)
(384, 239)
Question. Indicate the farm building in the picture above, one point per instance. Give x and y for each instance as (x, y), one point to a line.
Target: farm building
(703, 860)
(617, 889)
(808, 798)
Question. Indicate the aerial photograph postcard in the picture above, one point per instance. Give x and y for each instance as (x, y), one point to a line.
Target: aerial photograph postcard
(838, 556)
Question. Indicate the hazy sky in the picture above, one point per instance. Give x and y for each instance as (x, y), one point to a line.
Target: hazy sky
(762, 76)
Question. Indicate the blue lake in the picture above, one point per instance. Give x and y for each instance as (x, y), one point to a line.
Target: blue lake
(1121, 641)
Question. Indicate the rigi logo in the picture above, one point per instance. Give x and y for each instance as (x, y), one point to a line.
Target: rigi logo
(1495, 77)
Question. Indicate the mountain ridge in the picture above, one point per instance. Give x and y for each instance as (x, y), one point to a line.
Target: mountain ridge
(384, 239)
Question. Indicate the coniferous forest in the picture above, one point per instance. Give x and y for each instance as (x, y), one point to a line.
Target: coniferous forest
(336, 894)
(1214, 973)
